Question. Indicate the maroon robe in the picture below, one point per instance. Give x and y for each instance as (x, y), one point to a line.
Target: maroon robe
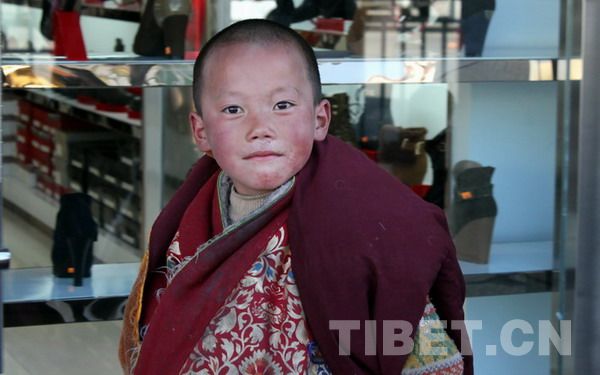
(364, 247)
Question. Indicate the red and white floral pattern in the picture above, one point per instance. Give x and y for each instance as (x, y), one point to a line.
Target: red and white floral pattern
(261, 327)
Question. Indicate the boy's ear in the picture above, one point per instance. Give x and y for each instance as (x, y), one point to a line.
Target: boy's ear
(199, 133)
(322, 119)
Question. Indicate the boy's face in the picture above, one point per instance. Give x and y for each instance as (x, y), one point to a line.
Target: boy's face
(258, 118)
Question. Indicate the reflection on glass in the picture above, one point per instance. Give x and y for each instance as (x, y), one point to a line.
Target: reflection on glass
(162, 30)
(475, 20)
(177, 104)
(69, 29)
(400, 128)
(286, 12)
(72, 186)
(417, 28)
(402, 151)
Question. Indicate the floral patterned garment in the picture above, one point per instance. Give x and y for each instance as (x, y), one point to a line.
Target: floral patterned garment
(261, 327)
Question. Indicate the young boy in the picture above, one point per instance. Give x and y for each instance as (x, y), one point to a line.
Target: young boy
(286, 251)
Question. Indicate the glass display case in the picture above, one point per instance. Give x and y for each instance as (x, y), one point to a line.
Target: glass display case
(472, 103)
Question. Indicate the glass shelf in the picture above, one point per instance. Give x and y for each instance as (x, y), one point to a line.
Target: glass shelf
(33, 296)
(31, 286)
(532, 257)
(28, 71)
(39, 285)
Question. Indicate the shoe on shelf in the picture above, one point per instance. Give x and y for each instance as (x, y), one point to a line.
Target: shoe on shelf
(473, 211)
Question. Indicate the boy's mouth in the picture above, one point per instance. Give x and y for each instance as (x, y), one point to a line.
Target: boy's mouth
(262, 154)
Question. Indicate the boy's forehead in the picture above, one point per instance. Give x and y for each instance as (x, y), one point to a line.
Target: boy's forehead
(225, 55)
(270, 48)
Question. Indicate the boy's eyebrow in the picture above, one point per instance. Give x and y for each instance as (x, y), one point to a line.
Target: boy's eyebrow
(282, 89)
(228, 94)
(278, 90)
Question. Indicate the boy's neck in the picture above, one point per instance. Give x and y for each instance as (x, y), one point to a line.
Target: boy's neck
(241, 205)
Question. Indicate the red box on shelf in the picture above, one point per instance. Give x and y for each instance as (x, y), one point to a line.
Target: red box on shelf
(135, 90)
(25, 111)
(135, 115)
(41, 161)
(119, 108)
(46, 145)
(50, 122)
(39, 117)
(41, 167)
(24, 153)
(24, 144)
(333, 24)
(42, 141)
(86, 99)
(23, 135)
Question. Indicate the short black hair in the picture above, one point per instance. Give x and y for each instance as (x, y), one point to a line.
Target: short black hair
(258, 31)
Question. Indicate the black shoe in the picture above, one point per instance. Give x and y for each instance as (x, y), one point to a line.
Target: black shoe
(74, 234)
(473, 211)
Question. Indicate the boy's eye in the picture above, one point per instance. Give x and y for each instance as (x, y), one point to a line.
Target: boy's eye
(232, 110)
(283, 105)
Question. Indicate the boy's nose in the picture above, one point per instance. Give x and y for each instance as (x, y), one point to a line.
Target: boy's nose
(260, 127)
